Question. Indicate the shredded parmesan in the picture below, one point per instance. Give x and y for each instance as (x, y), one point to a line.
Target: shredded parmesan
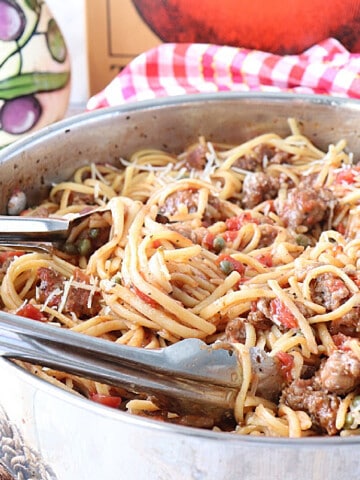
(52, 295)
(67, 286)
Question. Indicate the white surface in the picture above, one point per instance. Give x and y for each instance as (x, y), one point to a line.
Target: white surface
(70, 15)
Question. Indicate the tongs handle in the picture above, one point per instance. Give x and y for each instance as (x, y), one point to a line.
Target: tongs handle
(17, 228)
(179, 387)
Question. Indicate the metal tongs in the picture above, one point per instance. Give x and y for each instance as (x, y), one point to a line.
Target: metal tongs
(188, 377)
(33, 232)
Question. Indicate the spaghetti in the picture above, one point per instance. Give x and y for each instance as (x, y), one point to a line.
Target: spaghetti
(255, 245)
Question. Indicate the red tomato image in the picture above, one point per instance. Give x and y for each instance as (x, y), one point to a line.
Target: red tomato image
(276, 26)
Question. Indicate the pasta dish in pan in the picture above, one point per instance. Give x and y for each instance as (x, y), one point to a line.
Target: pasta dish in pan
(254, 245)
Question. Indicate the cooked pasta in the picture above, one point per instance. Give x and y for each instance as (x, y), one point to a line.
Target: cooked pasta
(253, 245)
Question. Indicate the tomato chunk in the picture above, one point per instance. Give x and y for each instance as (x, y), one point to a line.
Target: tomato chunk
(156, 243)
(286, 364)
(230, 235)
(235, 223)
(112, 401)
(228, 264)
(5, 256)
(265, 259)
(342, 341)
(32, 312)
(145, 298)
(347, 175)
(341, 228)
(282, 314)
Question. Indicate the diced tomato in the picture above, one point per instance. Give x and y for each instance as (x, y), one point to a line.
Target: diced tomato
(208, 240)
(270, 206)
(347, 175)
(156, 243)
(341, 228)
(30, 311)
(235, 223)
(146, 298)
(4, 256)
(241, 281)
(341, 341)
(232, 263)
(107, 400)
(253, 306)
(356, 280)
(286, 364)
(335, 285)
(265, 259)
(282, 314)
(81, 276)
(230, 235)
(337, 249)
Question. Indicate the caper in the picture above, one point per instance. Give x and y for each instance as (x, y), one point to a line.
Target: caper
(218, 244)
(302, 240)
(70, 249)
(349, 420)
(94, 232)
(84, 246)
(355, 404)
(226, 267)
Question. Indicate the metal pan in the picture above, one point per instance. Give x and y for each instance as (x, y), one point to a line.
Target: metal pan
(51, 434)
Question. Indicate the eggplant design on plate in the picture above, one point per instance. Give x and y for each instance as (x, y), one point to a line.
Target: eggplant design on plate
(26, 25)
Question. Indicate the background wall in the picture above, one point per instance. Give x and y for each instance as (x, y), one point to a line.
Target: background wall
(70, 15)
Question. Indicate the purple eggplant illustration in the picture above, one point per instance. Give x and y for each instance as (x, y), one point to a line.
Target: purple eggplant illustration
(20, 109)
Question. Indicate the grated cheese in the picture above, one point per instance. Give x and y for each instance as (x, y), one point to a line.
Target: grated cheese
(53, 294)
(96, 174)
(146, 168)
(67, 286)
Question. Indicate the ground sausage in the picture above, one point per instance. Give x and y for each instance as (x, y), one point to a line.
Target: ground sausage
(340, 373)
(303, 206)
(196, 157)
(321, 406)
(260, 315)
(348, 324)
(258, 187)
(235, 331)
(268, 235)
(329, 291)
(260, 154)
(78, 300)
(190, 199)
(259, 320)
(196, 235)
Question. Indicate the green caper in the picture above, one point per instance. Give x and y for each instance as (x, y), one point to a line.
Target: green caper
(94, 232)
(349, 420)
(218, 244)
(302, 240)
(70, 249)
(226, 267)
(84, 246)
(355, 404)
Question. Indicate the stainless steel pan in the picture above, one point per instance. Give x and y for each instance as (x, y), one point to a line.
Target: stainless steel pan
(54, 434)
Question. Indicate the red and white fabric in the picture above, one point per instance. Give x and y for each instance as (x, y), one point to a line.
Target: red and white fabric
(176, 69)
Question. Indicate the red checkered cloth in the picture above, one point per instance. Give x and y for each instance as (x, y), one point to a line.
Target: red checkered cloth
(177, 68)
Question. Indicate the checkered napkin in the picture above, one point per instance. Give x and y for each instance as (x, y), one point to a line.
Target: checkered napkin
(177, 68)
